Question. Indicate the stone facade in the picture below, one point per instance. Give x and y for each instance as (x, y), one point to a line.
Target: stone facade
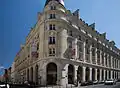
(66, 50)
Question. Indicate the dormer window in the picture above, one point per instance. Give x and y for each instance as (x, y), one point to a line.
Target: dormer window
(53, 8)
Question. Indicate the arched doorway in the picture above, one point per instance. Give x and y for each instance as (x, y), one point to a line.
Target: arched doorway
(70, 74)
(79, 74)
(113, 75)
(106, 75)
(98, 74)
(32, 74)
(102, 74)
(87, 74)
(36, 74)
(27, 74)
(109, 75)
(51, 74)
(93, 74)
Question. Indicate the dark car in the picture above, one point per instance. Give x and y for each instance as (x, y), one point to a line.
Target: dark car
(3, 85)
(84, 83)
(90, 82)
(118, 80)
(95, 82)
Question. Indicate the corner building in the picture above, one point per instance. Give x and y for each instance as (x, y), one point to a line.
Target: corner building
(66, 49)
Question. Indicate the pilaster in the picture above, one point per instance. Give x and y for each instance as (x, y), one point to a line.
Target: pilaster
(84, 74)
(95, 74)
(90, 74)
(84, 44)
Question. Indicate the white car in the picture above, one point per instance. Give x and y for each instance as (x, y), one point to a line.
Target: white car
(110, 82)
(4, 86)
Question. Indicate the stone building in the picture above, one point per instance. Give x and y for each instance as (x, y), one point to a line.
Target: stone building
(61, 49)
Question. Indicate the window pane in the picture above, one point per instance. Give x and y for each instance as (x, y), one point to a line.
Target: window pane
(53, 40)
(50, 27)
(53, 27)
(50, 40)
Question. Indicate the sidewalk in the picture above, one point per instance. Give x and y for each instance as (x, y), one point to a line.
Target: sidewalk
(69, 86)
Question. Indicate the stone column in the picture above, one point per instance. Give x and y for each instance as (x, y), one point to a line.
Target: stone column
(91, 54)
(64, 80)
(96, 55)
(84, 52)
(95, 74)
(100, 57)
(104, 60)
(90, 74)
(75, 72)
(107, 74)
(108, 60)
(104, 74)
(84, 74)
(100, 74)
(111, 62)
(118, 64)
(76, 49)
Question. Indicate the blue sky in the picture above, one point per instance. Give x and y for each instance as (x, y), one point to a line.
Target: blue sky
(18, 16)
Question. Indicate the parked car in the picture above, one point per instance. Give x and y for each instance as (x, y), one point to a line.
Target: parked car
(3, 85)
(95, 82)
(84, 83)
(110, 82)
(118, 80)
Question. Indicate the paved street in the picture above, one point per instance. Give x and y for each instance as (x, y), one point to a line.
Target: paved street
(90, 86)
(103, 86)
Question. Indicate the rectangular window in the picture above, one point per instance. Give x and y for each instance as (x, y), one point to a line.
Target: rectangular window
(53, 8)
(53, 26)
(52, 16)
(93, 52)
(51, 40)
(86, 41)
(50, 27)
(70, 33)
(37, 46)
(80, 48)
(51, 51)
(79, 37)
